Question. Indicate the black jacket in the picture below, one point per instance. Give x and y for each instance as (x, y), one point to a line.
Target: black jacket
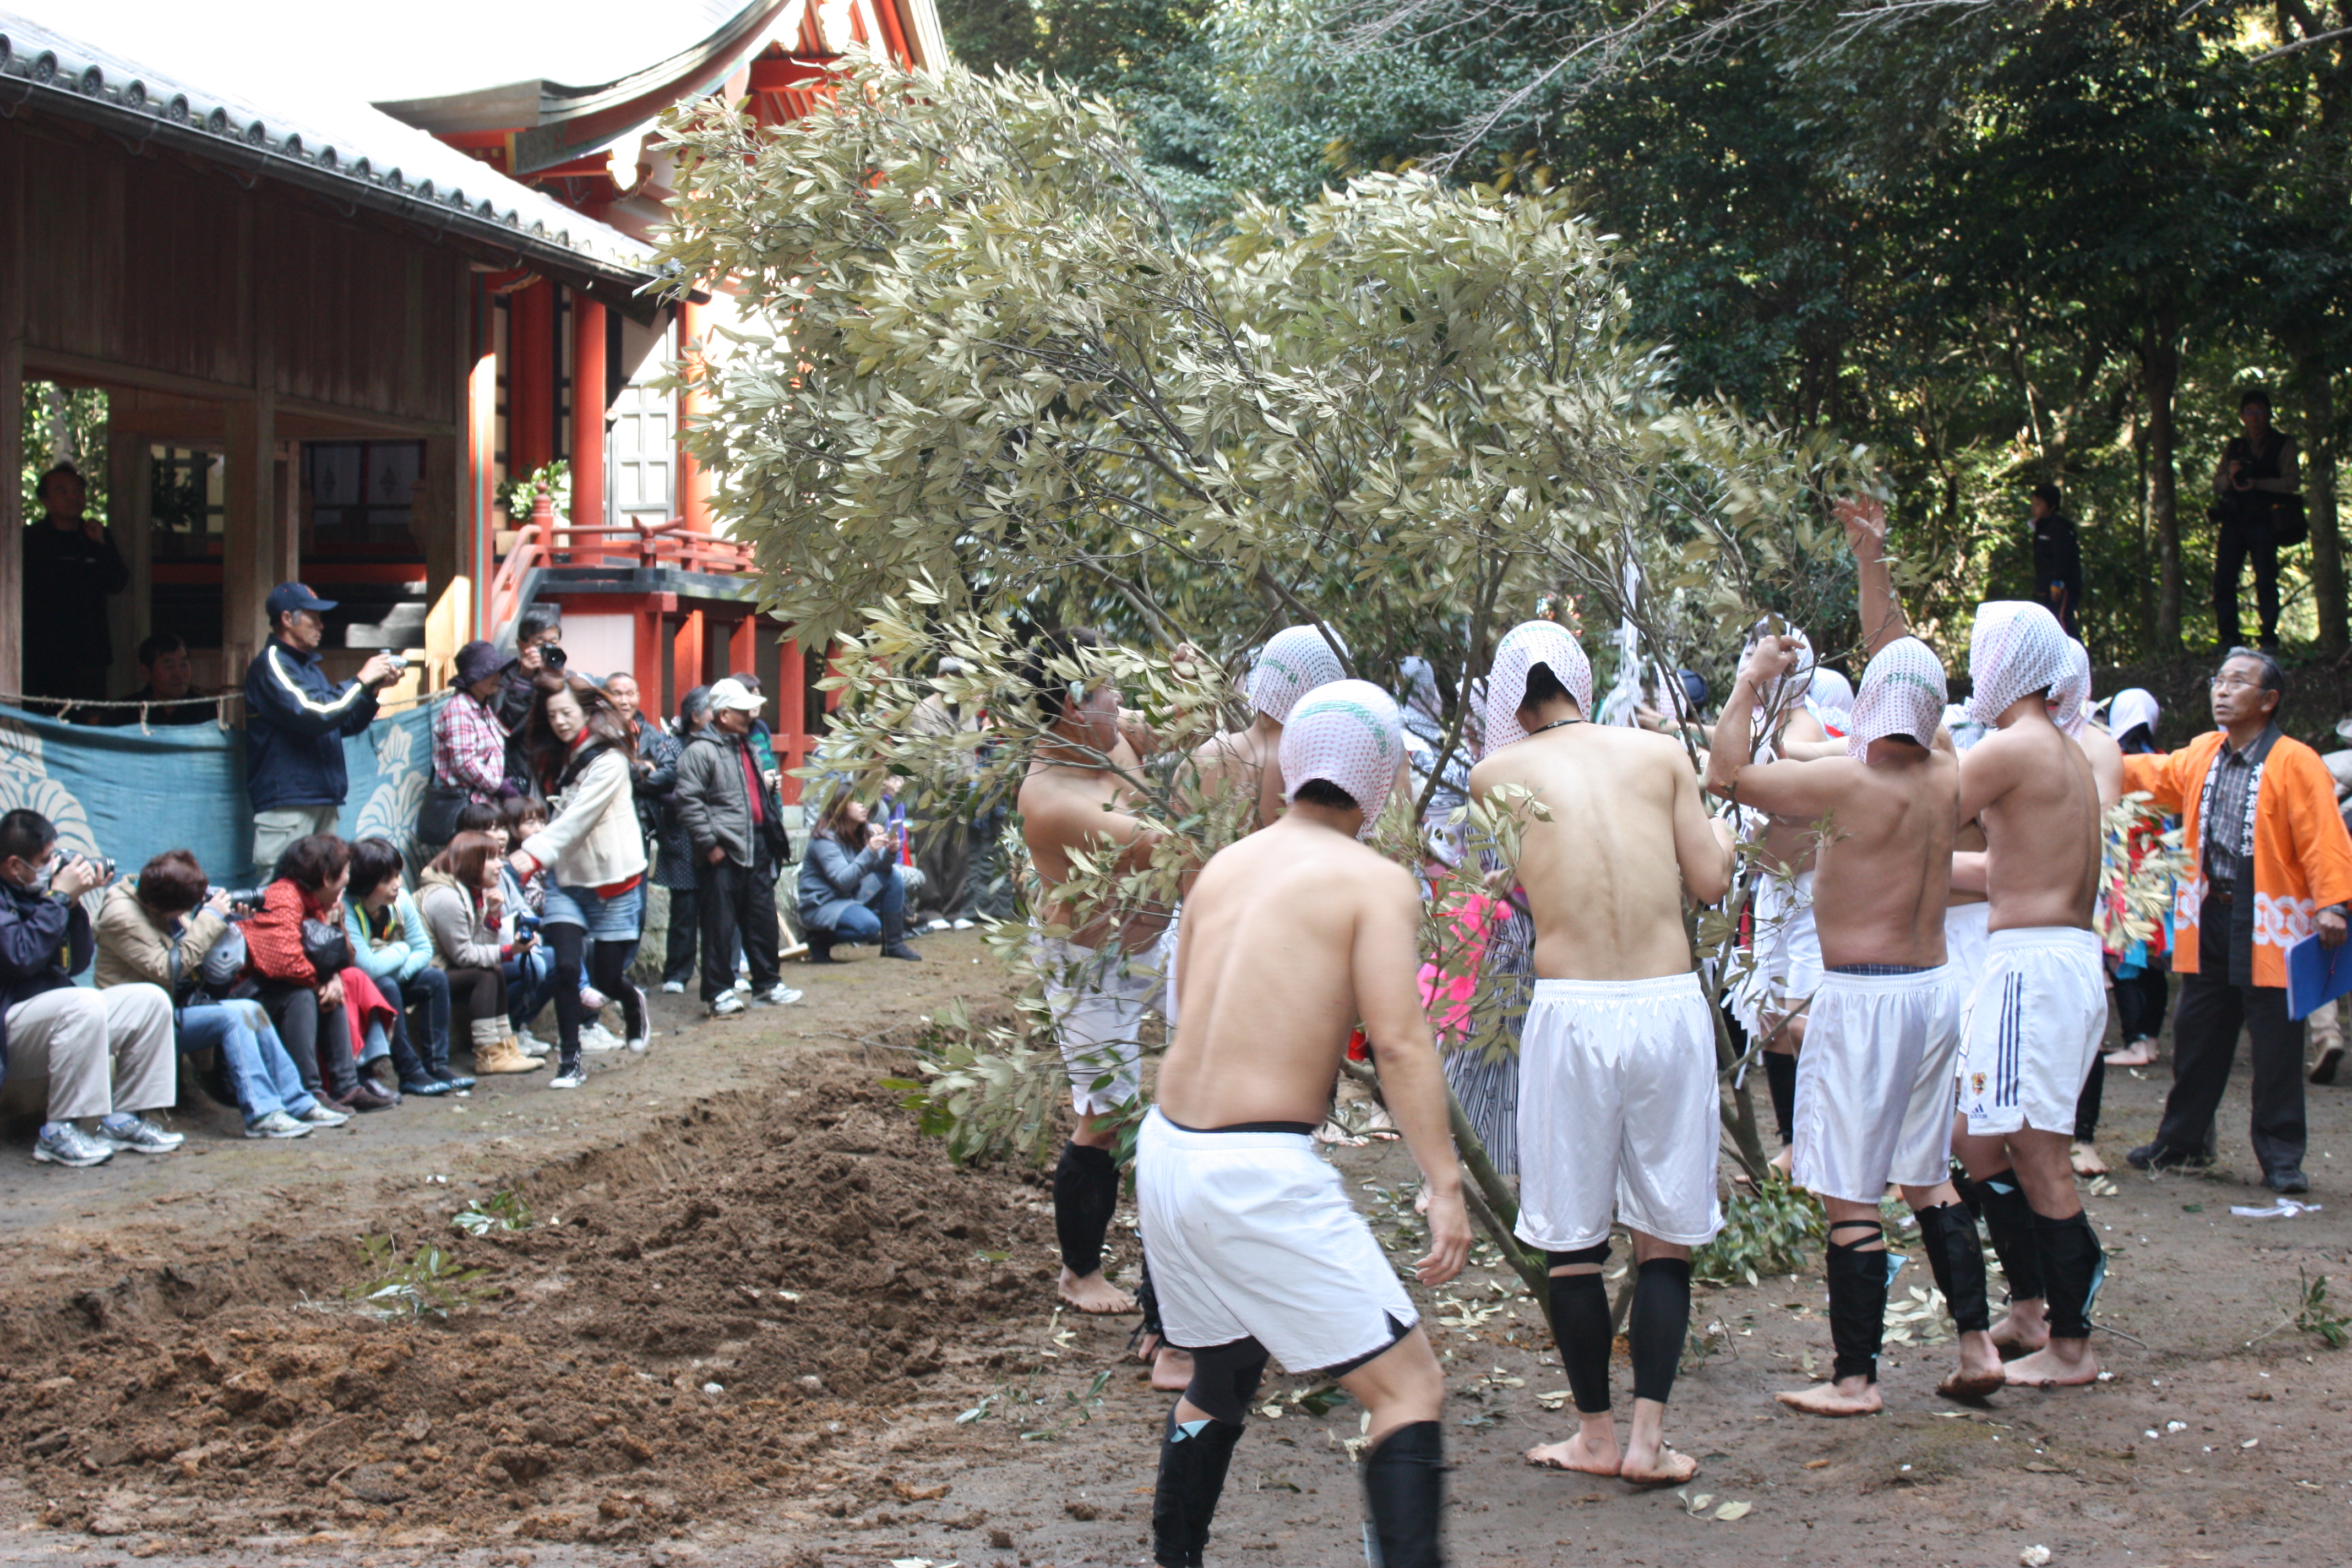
(44, 942)
(68, 579)
(2057, 558)
(295, 722)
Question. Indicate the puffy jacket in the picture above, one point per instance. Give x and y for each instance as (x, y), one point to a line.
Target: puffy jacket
(134, 948)
(832, 878)
(273, 937)
(714, 798)
(593, 840)
(404, 947)
(295, 722)
(462, 935)
(44, 944)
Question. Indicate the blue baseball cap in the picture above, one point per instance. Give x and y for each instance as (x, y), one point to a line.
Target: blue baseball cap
(294, 596)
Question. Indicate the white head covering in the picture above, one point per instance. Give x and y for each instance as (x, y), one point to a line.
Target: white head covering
(1903, 693)
(2016, 647)
(1525, 646)
(1832, 700)
(1348, 733)
(2070, 698)
(2130, 709)
(1293, 662)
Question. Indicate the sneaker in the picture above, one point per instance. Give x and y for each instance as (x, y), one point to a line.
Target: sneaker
(531, 1045)
(458, 1083)
(637, 1020)
(960, 925)
(673, 987)
(941, 923)
(63, 1144)
(428, 1087)
(572, 1077)
(729, 1004)
(780, 995)
(596, 1037)
(321, 1114)
(277, 1124)
(743, 984)
(136, 1134)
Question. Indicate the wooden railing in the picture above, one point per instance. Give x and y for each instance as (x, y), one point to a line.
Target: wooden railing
(550, 541)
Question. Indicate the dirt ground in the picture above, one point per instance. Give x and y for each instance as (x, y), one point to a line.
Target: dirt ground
(757, 1318)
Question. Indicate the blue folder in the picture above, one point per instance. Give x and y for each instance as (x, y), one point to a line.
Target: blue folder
(2316, 973)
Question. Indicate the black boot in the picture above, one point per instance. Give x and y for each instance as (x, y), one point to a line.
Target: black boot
(1192, 1464)
(820, 948)
(894, 936)
(1404, 1482)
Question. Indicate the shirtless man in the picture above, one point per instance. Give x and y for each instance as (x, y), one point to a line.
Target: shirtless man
(1874, 1085)
(1293, 662)
(1104, 976)
(1618, 1105)
(2041, 1009)
(1292, 936)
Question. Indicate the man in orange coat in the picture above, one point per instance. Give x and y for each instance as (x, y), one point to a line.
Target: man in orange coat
(2274, 865)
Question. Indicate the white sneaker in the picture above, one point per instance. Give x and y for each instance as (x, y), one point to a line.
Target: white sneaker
(571, 1080)
(940, 924)
(321, 1114)
(277, 1124)
(67, 1145)
(743, 984)
(673, 987)
(780, 995)
(596, 1037)
(729, 1004)
(136, 1134)
(532, 1045)
(960, 925)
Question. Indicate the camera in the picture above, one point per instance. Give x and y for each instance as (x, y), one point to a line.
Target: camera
(61, 859)
(242, 902)
(552, 656)
(526, 927)
(399, 662)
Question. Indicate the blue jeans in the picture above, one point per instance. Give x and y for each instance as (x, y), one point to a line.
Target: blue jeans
(531, 984)
(863, 922)
(423, 998)
(260, 1074)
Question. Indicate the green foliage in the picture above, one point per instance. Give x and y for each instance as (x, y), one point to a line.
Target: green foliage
(429, 1282)
(551, 479)
(498, 1212)
(79, 414)
(1765, 1230)
(2315, 1314)
(985, 1090)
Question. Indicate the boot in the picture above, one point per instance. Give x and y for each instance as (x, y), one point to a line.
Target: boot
(820, 948)
(894, 936)
(501, 1056)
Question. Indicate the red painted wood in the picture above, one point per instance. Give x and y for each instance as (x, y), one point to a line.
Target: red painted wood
(587, 412)
(530, 378)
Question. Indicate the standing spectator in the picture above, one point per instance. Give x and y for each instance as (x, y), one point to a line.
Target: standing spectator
(392, 946)
(653, 773)
(295, 722)
(460, 897)
(723, 803)
(469, 747)
(165, 930)
(673, 864)
(71, 569)
(171, 687)
(2142, 979)
(850, 888)
(582, 756)
(301, 985)
(2057, 558)
(2274, 865)
(2258, 492)
(539, 651)
(105, 1055)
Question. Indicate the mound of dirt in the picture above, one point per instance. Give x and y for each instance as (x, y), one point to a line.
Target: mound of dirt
(744, 1293)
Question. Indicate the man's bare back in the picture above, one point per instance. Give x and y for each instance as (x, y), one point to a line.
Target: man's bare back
(1247, 761)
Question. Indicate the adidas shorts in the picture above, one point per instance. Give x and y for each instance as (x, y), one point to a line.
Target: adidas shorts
(2039, 1018)
(1875, 1084)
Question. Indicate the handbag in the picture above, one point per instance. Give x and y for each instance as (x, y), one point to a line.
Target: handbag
(2290, 525)
(436, 819)
(327, 947)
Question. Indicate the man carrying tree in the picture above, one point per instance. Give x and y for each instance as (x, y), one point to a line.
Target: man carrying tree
(1291, 936)
(1102, 976)
(1874, 1085)
(1617, 1093)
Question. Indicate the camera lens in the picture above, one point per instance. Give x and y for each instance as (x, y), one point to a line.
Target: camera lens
(553, 655)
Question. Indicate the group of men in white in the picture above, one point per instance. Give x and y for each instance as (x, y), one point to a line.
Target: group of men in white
(1913, 1042)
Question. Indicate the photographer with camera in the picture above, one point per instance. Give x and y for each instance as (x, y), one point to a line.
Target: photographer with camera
(539, 665)
(298, 949)
(2258, 496)
(168, 928)
(105, 1055)
(459, 898)
(295, 722)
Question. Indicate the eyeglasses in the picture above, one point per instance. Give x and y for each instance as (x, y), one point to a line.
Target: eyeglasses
(2234, 683)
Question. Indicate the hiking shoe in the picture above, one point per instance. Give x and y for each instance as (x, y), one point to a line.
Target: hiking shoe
(321, 1114)
(428, 1087)
(136, 1134)
(2156, 1157)
(779, 995)
(571, 1077)
(63, 1144)
(277, 1124)
(673, 987)
(596, 1037)
(728, 1004)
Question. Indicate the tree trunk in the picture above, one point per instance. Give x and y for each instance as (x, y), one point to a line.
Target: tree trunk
(2160, 358)
(2318, 396)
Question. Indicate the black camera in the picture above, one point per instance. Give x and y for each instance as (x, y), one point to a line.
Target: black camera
(242, 902)
(552, 656)
(526, 927)
(61, 859)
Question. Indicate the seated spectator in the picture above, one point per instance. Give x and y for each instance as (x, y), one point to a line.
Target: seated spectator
(531, 969)
(304, 1000)
(850, 890)
(171, 687)
(163, 930)
(390, 941)
(99, 1056)
(459, 899)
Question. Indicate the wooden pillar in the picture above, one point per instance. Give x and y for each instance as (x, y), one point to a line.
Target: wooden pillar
(693, 481)
(530, 378)
(479, 514)
(644, 656)
(12, 416)
(249, 549)
(131, 615)
(743, 646)
(286, 514)
(587, 412)
(790, 719)
(686, 653)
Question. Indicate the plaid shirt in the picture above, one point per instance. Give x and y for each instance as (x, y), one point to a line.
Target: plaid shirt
(469, 748)
(2230, 819)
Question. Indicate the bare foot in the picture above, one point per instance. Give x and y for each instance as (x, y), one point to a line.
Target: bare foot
(1784, 1162)
(1172, 1370)
(2048, 1368)
(1979, 1372)
(1850, 1397)
(1664, 1468)
(2139, 1054)
(1576, 1454)
(1094, 1294)
(2087, 1160)
(2020, 1334)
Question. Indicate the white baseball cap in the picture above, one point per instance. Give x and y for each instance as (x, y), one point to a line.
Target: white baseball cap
(731, 692)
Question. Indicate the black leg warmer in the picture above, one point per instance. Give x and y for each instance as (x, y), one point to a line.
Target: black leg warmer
(1948, 1234)
(1780, 1078)
(1857, 1298)
(2008, 1221)
(1225, 1378)
(1404, 1482)
(1580, 1327)
(2074, 1266)
(1147, 1300)
(1192, 1463)
(1086, 1195)
(1660, 1325)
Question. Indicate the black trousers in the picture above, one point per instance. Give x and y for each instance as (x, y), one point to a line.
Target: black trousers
(2205, 1043)
(685, 926)
(2140, 1000)
(739, 902)
(2237, 543)
(320, 1042)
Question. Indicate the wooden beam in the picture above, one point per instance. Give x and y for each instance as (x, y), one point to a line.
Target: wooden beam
(481, 517)
(130, 615)
(685, 654)
(587, 412)
(530, 378)
(12, 417)
(790, 721)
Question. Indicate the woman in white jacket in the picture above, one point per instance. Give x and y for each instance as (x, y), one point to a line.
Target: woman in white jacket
(594, 853)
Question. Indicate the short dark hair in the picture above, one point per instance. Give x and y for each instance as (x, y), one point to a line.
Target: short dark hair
(67, 469)
(172, 883)
(314, 861)
(373, 861)
(1047, 690)
(697, 700)
(24, 833)
(2252, 396)
(2274, 677)
(2049, 492)
(1543, 686)
(515, 807)
(465, 859)
(1323, 792)
(537, 619)
(477, 817)
(155, 644)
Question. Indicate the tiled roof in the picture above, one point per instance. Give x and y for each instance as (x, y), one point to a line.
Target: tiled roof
(344, 148)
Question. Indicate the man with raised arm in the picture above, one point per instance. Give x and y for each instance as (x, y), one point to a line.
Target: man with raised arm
(1293, 662)
(1104, 974)
(2040, 1005)
(1617, 1094)
(1874, 1085)
(1290, 937)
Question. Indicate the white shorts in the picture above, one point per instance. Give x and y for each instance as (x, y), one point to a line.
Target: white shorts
(1098, 998)
(1875, 1084)
(1964, 950)
(1251, 1236)
(1618, 1113)
(1786, 955)
(2040, 1017)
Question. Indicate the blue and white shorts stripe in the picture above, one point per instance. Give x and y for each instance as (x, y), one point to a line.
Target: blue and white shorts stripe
(2038, 1020)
